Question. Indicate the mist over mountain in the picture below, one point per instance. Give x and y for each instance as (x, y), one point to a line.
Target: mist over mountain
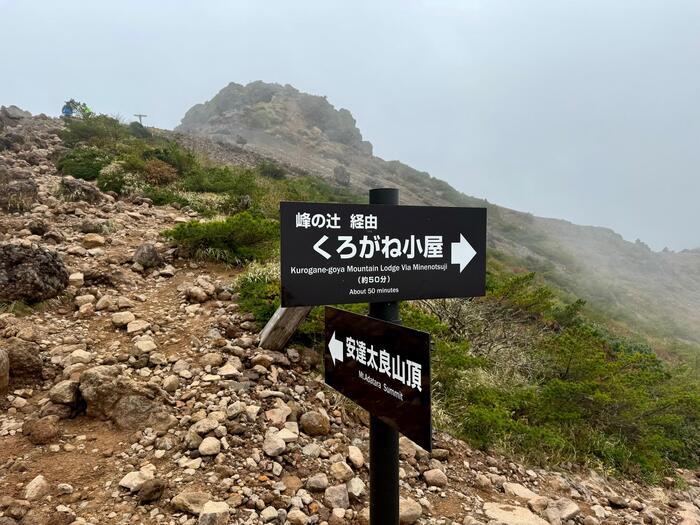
(655, 292)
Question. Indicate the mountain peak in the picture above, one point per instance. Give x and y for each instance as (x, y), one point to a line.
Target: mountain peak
(277, 115)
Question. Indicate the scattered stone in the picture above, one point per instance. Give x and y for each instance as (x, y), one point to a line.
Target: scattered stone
(519, 491)
(93, 240)
(356, 457)
(511, 514)
(121, 319)
(410, 511)
(341, 471)
(274, 446)
(191, 501)
(336, 497)
(215, 513)
(435, 478)
(315, 424)
(147, 256)
(317, 482)
(42, 431)
(64, 392)
(36, 488)
(210, 446)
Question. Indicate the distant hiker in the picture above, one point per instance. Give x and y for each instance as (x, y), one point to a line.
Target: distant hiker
(67, 110)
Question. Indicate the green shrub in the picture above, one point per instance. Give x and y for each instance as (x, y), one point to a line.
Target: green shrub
(139, 131)
(271, 170)
(157, 172)
(83, 162)
(222, 179)
(179, 157)
(164, 196)
(98, 130)
(239, 238)
(116, 179)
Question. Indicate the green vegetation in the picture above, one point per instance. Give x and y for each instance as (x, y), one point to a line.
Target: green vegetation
(83, 162)
(522, 372)
(238, 238)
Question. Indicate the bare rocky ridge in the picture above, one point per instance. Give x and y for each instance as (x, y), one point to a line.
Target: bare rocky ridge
(657, 292)
(139, 395)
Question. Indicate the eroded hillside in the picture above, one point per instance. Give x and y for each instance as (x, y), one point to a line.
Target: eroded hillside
(656, 294)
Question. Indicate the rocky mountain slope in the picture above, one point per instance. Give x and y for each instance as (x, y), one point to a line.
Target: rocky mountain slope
(656, 293)
(136, 391)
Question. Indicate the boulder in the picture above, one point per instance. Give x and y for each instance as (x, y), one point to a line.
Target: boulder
(64, 392)
(24, 358)
(79, 190)
(111, 395)
(30, 274)
(42, 431)
(147, 256)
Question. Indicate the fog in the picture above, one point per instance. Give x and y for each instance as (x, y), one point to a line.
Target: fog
(578, 109)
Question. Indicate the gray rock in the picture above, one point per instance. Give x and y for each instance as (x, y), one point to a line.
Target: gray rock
(435, 478)
(356, 488)
(111, 395)
(273, 446)
(297, 517)
(24, 358)
(317, 482)
(79, 190)
(336, 497)
(210, 446)
(64, 392)
(565, 507)
(511, 514)
(30, 274)
(121, 319)
(215, 513)
(191, 501)
(36, 488)
(147, 256)
(410, 511)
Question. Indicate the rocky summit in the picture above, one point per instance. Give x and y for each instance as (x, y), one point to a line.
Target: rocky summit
(134, 390)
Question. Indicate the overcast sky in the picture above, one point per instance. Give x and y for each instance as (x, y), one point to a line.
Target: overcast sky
(578, 109)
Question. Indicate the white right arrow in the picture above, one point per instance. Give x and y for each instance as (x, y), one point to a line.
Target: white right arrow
(336, 348)
(462, 253)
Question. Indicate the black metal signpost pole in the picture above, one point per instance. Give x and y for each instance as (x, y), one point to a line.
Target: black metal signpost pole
(383, 439)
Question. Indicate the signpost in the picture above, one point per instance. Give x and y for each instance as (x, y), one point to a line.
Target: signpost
(384, 368)
(381, 253)
(359, 253)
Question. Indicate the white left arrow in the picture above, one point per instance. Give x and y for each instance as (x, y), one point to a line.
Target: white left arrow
(462, 253)
(336, 348)
(320, 250)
